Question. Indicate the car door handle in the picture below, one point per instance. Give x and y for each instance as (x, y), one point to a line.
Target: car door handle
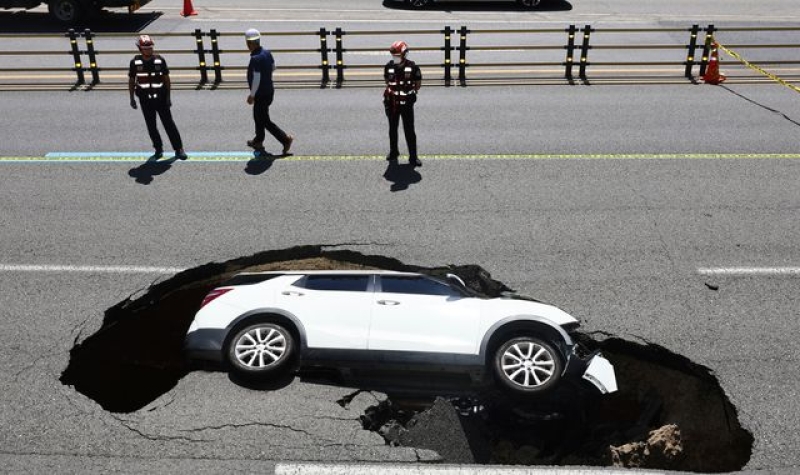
(388, 302)
(292, 292)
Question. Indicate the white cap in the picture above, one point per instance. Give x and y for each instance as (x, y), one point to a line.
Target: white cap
(252, 34)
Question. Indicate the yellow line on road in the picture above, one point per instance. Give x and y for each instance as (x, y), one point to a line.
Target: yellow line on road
(246, 156)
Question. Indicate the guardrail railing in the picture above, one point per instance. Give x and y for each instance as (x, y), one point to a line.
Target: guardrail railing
(448, 56)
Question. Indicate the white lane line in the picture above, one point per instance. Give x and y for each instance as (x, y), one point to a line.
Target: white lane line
(397, 469)
(90, 269)
(750, 271)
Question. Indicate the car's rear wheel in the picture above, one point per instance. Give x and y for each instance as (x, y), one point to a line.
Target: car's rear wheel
(530, 3)
(67, 11)
(261, 350)
(419, 3)
(527, 365)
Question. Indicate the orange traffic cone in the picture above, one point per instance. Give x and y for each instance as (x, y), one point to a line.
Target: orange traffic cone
(712, 75)
(188, 9)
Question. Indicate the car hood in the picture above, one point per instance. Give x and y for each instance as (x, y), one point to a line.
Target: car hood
(505, 307)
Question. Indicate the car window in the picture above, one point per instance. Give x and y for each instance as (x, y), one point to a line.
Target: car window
(415, 285)
(351, 283)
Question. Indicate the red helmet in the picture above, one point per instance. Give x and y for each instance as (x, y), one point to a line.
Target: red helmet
(399, 48)
(145, 42)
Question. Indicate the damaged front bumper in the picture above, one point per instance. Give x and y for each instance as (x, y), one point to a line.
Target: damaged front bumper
(593, 368)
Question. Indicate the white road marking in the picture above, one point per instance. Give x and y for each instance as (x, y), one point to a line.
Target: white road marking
(749, 271)
(89, 269)
(389, 469)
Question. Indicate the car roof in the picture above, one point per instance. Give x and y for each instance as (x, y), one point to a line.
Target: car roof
(331, 272)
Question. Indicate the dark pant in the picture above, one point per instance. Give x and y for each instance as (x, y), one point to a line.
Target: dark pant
(261, 117)
(151, 108)
(394, 114)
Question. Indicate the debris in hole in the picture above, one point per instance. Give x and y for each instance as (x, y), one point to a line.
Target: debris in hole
(712, 286)
(669, 414)
(663, 449)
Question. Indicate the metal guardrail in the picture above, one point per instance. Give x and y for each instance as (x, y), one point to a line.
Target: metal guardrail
(460, 56)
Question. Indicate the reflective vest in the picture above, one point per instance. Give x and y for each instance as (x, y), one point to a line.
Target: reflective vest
(149, 76)
(400, 80)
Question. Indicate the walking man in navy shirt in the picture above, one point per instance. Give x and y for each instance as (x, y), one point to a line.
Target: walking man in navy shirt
(262, 91)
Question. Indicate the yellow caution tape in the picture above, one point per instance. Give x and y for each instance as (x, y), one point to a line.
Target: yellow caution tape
(758, 69)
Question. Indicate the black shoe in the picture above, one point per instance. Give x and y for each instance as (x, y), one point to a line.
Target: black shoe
(392, 157)
(254, 144)
(181, 155)
(288, 144)
(155, 156)
(414, 162)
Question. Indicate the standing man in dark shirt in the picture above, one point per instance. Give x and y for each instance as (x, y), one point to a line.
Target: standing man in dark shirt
(262, 91)
(148, 78)
(403, 80)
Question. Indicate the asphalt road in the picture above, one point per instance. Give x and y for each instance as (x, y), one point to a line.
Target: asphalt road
(620, 206)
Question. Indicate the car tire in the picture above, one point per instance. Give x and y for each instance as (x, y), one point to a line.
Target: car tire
(261, 350)
(419, 3)
(530, 3)
(527, 365)
(66, 11)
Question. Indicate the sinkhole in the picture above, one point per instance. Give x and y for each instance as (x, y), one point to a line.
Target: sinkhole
(669, 412)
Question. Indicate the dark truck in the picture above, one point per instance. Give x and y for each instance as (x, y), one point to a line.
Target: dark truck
(71, 11)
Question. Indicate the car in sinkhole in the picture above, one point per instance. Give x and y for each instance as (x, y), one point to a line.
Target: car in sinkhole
(264, 324)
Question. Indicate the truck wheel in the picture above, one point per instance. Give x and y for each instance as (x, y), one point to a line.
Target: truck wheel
(66, 11)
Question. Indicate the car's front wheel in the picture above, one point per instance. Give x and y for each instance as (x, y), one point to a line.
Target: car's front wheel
(527, 365)
(530, 3)
(261, 350)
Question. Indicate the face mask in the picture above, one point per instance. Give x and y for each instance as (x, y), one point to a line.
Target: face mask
(397, 58)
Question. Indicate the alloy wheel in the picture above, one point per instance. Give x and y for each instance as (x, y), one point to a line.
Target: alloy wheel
(528, 364)
(261, 347)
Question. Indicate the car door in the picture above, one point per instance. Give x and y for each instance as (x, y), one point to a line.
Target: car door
(333, 308)
(416, 313)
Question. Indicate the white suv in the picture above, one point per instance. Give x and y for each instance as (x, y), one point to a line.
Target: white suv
(262, 324)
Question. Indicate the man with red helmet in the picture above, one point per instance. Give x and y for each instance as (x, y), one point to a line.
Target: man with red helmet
(403, 80)
(148, 78)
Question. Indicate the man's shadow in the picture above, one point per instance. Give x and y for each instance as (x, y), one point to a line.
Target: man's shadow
(144, 173)
(261, 162)
(401, 176)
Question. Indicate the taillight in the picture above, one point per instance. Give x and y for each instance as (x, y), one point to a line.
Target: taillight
(214, 294)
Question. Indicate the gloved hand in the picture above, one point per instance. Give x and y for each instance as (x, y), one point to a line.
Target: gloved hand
(133, 103)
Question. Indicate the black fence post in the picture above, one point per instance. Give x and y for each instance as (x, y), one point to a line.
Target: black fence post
(707, 48)
(87, 34)
(587, 30)
(323, 50)
(76, 57)
(691, 50)
(462, 57)
(339, 57)
(215, 56)
(201, 56)
(570, 51)
(448, 62)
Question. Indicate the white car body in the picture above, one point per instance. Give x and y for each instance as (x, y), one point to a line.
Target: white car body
(380, 325)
